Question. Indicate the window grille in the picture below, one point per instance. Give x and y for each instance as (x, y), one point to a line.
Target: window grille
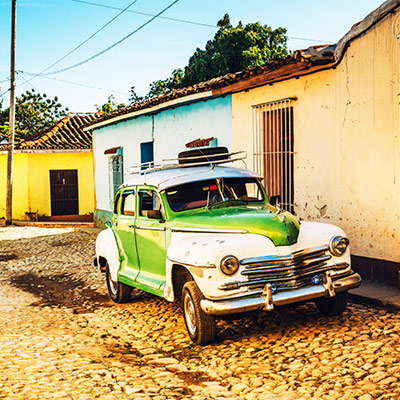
(115, 170)
(273, 150)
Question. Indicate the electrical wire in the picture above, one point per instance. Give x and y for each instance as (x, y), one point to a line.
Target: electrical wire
(185, 21)
(90, 37)
(311, 40)
(26, 82)
(85, 41)
(148, 15)
(113, 45)
(75, 83)
(4, 93)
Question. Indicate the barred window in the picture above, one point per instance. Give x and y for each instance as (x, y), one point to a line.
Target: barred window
(273, 150)
(115, 177)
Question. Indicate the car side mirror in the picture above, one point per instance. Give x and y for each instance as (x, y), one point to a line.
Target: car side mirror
(108, 224)
(155, 214)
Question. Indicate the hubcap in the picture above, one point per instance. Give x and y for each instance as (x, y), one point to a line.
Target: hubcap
(190, 314)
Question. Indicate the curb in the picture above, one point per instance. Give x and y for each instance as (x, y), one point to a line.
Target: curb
(386, 304)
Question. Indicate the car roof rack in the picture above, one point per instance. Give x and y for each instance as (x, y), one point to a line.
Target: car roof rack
(186, 162)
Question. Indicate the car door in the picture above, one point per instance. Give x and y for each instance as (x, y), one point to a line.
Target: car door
(124, 227)
(150, 240)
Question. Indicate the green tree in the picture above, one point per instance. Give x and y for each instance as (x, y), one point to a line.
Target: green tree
(158, 88)
(235, 49)
(4, 127)
(33, 113)
(110, 105)
(232, 49)
(134, 97)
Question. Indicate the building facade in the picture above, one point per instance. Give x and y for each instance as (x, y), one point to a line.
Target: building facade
(153, 134)
(52, 173)
(321, 126)
(343, 137)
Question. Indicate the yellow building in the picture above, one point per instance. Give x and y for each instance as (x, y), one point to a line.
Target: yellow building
(52, 174)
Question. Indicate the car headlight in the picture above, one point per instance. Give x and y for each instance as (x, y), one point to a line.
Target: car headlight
(338, 245)
(229, 265)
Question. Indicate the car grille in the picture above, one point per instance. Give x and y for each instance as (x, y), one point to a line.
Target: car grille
(284, 272)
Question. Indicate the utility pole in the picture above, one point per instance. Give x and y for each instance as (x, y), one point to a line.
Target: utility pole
(11, 125)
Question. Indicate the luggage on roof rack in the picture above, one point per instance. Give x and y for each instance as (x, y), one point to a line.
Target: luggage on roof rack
(190, 159)
(208, 154)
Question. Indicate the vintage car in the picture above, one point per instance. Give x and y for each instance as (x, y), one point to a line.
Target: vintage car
(204, 233)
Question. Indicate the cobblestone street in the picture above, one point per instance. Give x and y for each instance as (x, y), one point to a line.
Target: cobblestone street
(61, 338)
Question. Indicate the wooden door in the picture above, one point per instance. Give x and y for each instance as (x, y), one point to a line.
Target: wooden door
(64, 192)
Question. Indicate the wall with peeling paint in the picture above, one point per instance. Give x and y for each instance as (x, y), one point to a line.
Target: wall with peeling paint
(347, 142)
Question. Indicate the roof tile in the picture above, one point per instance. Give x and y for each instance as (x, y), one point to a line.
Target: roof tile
(65, 134)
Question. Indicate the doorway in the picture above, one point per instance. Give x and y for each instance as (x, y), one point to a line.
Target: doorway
(64, 192)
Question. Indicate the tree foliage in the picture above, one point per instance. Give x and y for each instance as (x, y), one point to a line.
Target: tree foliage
(34, 112)
(235, 49)
(161, 87)
(232, 49)
(110, 105)
(134, 97)
(158, 88)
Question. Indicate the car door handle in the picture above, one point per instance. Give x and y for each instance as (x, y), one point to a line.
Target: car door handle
(150, 228)
(131, 226)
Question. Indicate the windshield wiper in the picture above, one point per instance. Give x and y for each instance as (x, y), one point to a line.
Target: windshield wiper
(227, 203)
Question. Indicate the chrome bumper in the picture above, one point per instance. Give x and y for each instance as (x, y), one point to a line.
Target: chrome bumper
(267, 300)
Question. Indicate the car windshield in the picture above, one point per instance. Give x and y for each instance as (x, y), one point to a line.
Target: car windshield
(214, 193)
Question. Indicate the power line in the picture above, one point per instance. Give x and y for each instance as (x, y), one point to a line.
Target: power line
(148, 15)
(27, 82)
(3, 94)
(85, 41)
(311, 40)
(184, 20)
(113, 45)
(75, 83)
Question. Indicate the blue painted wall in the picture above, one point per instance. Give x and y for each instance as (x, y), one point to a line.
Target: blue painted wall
(170, 129)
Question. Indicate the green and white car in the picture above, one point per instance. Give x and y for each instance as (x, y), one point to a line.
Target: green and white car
(204, 233)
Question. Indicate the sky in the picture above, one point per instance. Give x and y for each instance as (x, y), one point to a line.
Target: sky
(48, 30)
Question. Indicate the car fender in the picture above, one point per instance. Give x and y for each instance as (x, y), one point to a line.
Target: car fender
(201, 255)
(312, 233)
(107, 248)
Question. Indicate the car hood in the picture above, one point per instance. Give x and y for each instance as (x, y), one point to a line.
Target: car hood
(281, 227)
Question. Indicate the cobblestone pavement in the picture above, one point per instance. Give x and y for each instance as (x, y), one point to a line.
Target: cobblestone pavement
(61, 338)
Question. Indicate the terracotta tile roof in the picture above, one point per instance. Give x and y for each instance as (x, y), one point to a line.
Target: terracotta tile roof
(66, 134)
(301, 62)
(2, 135)
(298, 63)
(4, 140)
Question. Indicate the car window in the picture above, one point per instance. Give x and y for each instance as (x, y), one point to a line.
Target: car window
(128, 203)
(148, 200)
(203, 193)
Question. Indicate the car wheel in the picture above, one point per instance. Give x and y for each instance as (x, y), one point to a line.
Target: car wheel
(118, 291)
(333, 305)
(200, 326)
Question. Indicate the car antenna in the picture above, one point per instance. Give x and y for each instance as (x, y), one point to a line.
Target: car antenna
(205, 156)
